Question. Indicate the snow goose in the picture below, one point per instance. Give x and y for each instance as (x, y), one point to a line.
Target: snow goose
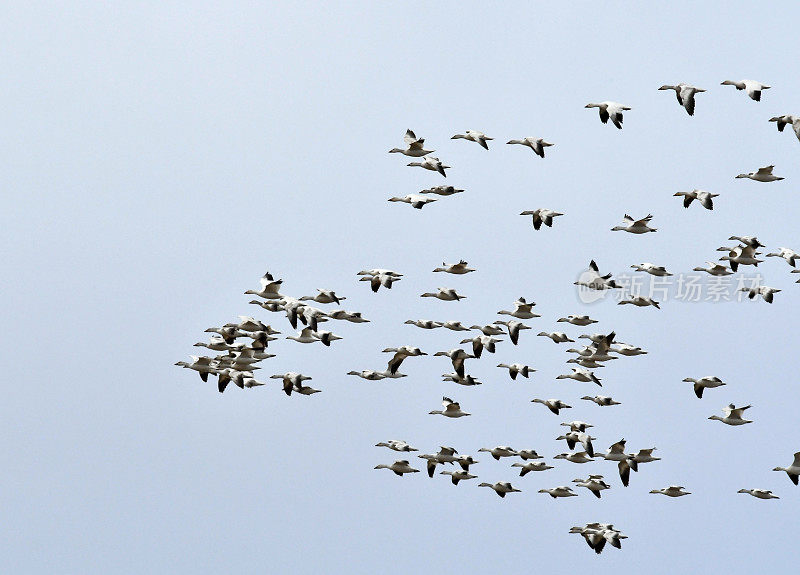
(556, 336)
(442, 190)
(706, 199)
(324, 296)
(793, 471)
(753, 88)
(794, 121)
(714, 269)
(640, 301)
(764, 291)
(593, 537)
(460, 268)
(652, 269)
(513, 327)
(474, 136)
(499, 451)
(399, 467)
(593, 280)
(400, 353)
(269, 287)
(272, 306)
(709, 381)
(465, 461)
(612, 110)
(201, 364)
(217, 344)
(561, 491)
(458, 475)
(454, 326)
(536, 144)
(529, 466)
(627, 350)
(685, 94)
(787, 254)
(582, 320)
(759, 493)
(751, 241)
(740, 255)
(645, 456)
(423, 323)
(229, 334)
(574, 437)
(541, 216)
(326, 337)
(451, 409)
(351, 316)
(431, 163)
(414, 146)
(445, 294)
(432, 460)
(501, 487)
(467, 379)
(616, 452)
(457, 357)
(527, 454)
(635, 226)
(594, 483)
(601, 400)
(290, 379)
(522, 310)
(577, 457)
(491, 329)
(554, 405)
(447, 454)
(301, 389)
(481, 342)
(396, 445)
(586, 361)
(415, 200)
(379, 271)
(672, 491)
(761, 175)
(515, 369)
(733, 415)
(378, 280)
(582, 375)
(577, 425)
(368, 374)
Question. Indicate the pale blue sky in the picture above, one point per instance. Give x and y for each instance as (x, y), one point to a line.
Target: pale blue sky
(159, 157)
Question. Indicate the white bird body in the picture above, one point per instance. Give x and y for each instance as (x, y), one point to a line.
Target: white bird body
(561, 491)
(442, 190)
(474, 136)
(635, 226)
(640, 301)
(765, 292)
(501, 487)
(499, 451)
(652, 269)
(414, 146)
(553, 405)
(672, 491)
(709, 381)
(793, 471)
(714, 269)
(787, 254)
(515, 369)
(685, 94)
(753, 88)
(733, 415)
(610, 110)
(451, 409)
(761, 175)
(522, 310)
(529, 466)
(582, 320)
(445, 294)
(536, 144)
(399, 467)
(706, 199)
(460, 268)
(582, 375)
(759, 493)
(793, 121)
(414, 200)
(541, 216)
(431, 163)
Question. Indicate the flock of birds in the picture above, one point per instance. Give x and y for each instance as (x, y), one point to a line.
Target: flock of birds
(241, 346)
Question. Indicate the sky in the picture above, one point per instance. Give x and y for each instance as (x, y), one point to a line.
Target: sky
(161, 157)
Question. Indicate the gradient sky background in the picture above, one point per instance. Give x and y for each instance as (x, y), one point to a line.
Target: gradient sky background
(160, 157)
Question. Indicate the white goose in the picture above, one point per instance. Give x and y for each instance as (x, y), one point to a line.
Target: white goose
(714, 269)
(460, 268)
(458, 475)
(759, 493)
(457, 357)
(368, 374)
(753, 88)
(627, 350)
(582, 320)
(414, 200)
(594, 483)
(554, 405)
(481, 342)
(399, 467)
(445, 294)
(685, 94)
(733, 415)
(451, 409)
(513, 327)
(442, 190)
(529, 466)
(635, 226)
(672, 491)
(765, 292)
(269, 287)
(761, 175)
(290, 379)
(582, 375)
(515, 369)
(601, 400)
(423, 323)
(793, 471)
(378, 280)
(396, 445)
(793, 121)
(474, 136)
(652, 269)
(501, 487)
(709, 381)
(324, 296)
(593, 280)
(536, 144)
(556, 336)
(577, 457)
(610, 110)
(454, 326)
(499, 451)
(706, 199)
(400, 353)
(414, 146)
(787, 254)
(541, 216)
(561, 491)
(522, 310)
(640, 301)
(432, 164)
